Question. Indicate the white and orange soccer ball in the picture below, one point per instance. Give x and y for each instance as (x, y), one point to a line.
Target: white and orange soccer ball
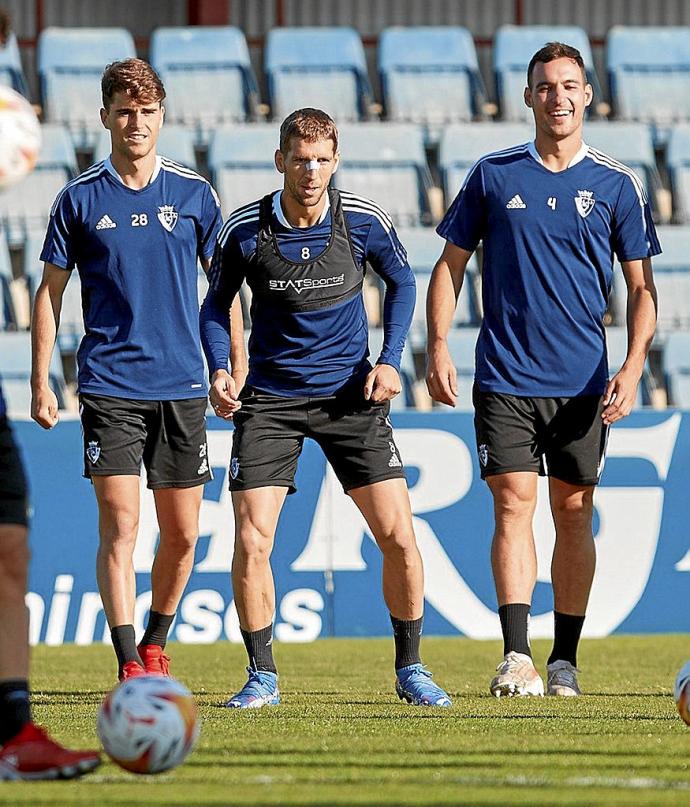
(681, 692)
(20, 137)
(148, 724)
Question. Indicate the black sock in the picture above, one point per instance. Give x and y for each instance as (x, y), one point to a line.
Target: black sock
(259, 644)
(157, 628)
(15, 711)
(125, 644)
(514, 620)
(407, 634)
(566, 635)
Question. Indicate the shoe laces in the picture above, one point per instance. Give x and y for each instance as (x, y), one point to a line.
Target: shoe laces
(562, 672)
(512, 662)
(257, 681)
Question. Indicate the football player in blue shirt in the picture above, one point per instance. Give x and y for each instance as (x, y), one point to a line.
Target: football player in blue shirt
(26, 750)
(135, 225)
(302, 252)
(551, 214)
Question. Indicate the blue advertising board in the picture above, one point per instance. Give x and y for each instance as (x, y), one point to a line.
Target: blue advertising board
(327, 567)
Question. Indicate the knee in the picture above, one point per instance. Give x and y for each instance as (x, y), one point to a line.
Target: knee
(511, 504)
(573, 511)
(118, 531)
(398, 541)
(253, 543)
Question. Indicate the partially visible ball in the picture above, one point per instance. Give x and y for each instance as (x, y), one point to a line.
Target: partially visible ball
(20, 137)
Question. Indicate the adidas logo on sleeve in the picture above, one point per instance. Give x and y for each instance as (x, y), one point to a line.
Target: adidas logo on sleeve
(516, 203)
(106, 223)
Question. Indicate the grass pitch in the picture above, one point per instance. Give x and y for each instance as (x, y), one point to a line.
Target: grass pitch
(342, 737)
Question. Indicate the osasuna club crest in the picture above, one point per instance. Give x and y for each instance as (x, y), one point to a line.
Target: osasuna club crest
(483, 454)
(93, 451)
(167, 215)
(584, 202)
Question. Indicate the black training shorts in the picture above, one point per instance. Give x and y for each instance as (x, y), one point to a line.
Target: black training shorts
(169, 437)
(560, 437)
(355, 435)
(13, 492)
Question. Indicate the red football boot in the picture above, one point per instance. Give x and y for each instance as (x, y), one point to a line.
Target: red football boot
(155, 660)
(130, 669)
(31, 754)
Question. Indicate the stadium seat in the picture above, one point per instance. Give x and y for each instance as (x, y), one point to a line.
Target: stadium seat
(11, 70)
(678, 162)
(461, 344)
(15, 372)
(408, 375)
(514, 46)
(676, 362)
(207, 75)
(175, 142)
(70, 65)
(386, 163)
(241, 163)
(649, 74)
(463, 144)
(8, 317)
(430, 76)
(317, 67)
(26, 206)
(423, 248)
(672, 280)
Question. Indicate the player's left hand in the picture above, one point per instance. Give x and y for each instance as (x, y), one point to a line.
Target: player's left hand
(382, 383)
(619, 397)
(223, 395)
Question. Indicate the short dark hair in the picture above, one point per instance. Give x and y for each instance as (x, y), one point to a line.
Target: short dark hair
(134, 77)
(552, 51)
(308, 124)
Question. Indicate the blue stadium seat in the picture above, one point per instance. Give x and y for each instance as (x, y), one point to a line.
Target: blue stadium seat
(678, 162)
(649, 73)
(408, 375)
(672, 280)
(676, 359)
(175, 142)
(241, 162)
(386, 163)
(631, 144)
(461, 344)
(15, 372)
(70, 65)
(430, 76)
(514, 46)
(424, 248)
(207, 75)
(11, 70)
(463, 144)
(317, 67)
(26, 206)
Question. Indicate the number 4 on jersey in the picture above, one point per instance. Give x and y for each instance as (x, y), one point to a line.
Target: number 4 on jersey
(551, 202)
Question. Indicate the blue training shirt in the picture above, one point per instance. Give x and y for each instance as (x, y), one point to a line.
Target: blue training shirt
(136, 252)
(549, 240)
(311, 352)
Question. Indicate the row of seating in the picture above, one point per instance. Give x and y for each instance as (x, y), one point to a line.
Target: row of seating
(429, 75)
(383, 161)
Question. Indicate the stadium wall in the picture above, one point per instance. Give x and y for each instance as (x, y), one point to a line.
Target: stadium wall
(327, 567)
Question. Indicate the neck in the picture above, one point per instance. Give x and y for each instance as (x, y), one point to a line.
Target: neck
(135, 174)
(558, 154)
(298, 215)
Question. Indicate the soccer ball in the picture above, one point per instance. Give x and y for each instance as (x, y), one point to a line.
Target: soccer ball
(148, 724)
(681, 692)
(20, 137)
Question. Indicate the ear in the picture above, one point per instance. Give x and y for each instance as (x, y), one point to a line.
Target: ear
(279, 159)
(589, 94)
(527, 96)
(104, 117)
(337, 162)
(162, 116)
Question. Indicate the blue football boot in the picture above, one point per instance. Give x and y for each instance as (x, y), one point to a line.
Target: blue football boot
(260, 690)
(414, 685)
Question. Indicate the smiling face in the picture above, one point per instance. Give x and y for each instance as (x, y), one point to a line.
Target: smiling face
(307, 168)
(134, 125)
(558, 96)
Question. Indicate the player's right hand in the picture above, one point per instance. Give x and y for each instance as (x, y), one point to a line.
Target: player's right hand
(44, 407)
(223, 395)
(441, 375)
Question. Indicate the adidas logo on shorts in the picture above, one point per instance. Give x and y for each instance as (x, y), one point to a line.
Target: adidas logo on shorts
(516, 203)
(394, 462)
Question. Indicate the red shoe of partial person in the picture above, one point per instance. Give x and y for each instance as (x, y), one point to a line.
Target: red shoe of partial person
(31, 754)
(155, 660)
(130, 669)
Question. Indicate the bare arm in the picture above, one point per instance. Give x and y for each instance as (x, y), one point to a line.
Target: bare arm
(44, 326)
(621, 391)
(442, 297)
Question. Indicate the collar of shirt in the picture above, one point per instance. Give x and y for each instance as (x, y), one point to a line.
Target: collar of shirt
(578, 157)
(278, 210)
(111, 169)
